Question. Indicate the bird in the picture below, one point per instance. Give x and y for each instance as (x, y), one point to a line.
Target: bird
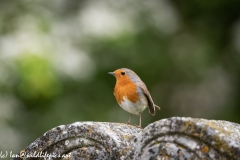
(132, 94)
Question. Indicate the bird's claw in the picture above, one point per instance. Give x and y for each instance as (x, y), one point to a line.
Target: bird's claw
(127, 122)
(138, 126)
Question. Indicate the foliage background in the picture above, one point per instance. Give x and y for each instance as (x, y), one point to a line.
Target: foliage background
(55, 55)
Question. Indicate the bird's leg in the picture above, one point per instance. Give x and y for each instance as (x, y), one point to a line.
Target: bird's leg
(140, 121)
(128, 122)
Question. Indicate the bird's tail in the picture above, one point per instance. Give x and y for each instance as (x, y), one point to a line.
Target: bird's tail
(157, 107)
(152, 109)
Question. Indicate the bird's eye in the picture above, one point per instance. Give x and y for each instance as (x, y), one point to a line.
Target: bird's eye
(122, 73)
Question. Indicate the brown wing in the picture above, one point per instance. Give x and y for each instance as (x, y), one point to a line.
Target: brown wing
(151, 105)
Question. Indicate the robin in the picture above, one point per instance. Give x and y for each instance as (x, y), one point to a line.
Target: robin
(132, 94)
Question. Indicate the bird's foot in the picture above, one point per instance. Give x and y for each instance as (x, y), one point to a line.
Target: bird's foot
(127, 122)
(138, 126)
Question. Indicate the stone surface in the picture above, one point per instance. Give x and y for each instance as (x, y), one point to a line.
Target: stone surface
(85, 140)
(188, 138)
(173, 138)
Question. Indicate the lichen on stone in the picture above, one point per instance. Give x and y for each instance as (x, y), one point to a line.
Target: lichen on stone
(172, 138)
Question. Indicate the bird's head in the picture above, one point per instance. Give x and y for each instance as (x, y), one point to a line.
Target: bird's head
(124, 74)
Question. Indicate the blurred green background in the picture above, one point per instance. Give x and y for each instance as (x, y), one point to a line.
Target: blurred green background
(55, 55)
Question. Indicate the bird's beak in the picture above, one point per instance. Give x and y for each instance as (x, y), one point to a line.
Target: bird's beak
(112, 73)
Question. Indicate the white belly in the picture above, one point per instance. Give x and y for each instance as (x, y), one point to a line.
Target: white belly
(134, 108)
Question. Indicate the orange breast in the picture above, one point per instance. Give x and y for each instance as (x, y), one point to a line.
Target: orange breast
(126, 89)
